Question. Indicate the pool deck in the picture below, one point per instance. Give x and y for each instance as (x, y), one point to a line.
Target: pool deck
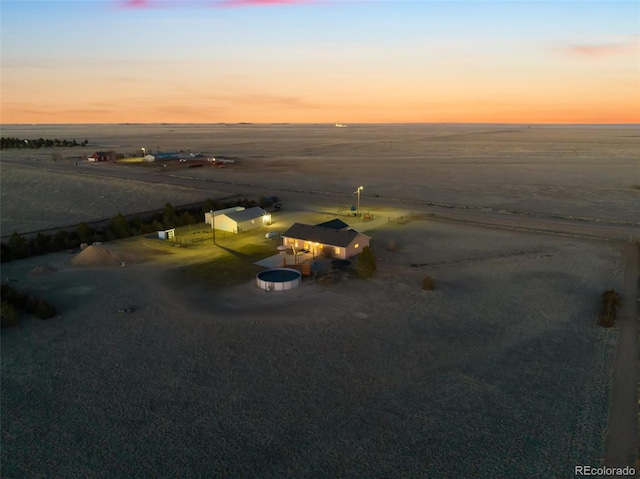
(275, 261)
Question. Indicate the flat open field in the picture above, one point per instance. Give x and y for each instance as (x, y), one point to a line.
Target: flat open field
(499, 372)
(587, 171)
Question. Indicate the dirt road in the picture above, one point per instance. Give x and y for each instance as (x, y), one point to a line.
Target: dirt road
(550, 223)
(622, 440)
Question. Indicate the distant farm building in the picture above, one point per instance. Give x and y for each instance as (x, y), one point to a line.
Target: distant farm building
(102, 156)
(162, 156)
(220, 162)
(341, 243)
(239, 219)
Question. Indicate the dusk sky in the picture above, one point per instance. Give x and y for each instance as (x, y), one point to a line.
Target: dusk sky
(207, 61)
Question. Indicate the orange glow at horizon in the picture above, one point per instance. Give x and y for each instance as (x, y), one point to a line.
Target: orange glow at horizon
(310, 64)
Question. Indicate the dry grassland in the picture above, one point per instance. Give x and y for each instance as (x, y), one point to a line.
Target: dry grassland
(587, 171)
(499, 372)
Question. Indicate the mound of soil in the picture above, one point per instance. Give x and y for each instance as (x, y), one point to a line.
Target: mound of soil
(41, 270)
(101, 256)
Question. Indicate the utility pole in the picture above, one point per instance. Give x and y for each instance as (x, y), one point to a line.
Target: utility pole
(213, 225)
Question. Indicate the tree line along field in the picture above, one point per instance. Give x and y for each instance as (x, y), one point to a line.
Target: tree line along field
(18, 247)
(19, 143)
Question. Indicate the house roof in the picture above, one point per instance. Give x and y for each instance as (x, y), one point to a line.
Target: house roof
(335, 224)
(321, 234)
(227, 210)
(246, 215)
(166, 155)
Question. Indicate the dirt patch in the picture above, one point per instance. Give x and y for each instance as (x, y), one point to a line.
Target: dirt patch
(42, 270)
(101, 256)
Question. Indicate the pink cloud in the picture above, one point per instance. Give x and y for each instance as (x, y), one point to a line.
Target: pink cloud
(142, 4)
(251, 3)
(135, 4)
(605, 49)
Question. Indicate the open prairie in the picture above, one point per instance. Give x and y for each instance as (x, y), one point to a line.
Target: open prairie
(585, 171)
(501, 371)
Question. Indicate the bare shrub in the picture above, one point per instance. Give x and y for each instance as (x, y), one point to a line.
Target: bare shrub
(8, 315)
(428, 283)
(610, 301)
(44, 309)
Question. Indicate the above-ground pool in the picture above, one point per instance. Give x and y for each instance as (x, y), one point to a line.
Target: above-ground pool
(278, 279)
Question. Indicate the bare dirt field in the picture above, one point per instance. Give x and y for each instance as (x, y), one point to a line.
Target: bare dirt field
(500, 371)
(34, 198)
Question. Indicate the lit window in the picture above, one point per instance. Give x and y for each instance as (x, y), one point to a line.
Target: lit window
(357, 245)
(337, 250)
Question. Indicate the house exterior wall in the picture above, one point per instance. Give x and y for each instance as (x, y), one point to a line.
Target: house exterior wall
(249, 224)
(361, 241)
(338, 251)
(219, 213)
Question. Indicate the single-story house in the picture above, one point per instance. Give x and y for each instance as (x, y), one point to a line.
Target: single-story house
(343, 243)
(239, 219)
(335, 224)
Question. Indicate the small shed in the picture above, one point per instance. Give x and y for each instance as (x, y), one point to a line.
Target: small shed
(167, 234)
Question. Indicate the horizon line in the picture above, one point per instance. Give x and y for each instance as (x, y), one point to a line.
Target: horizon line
(329, 123)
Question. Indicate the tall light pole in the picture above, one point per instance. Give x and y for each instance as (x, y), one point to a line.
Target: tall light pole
(213, 225)
(360, 188)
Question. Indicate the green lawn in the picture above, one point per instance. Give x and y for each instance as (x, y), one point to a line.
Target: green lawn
(232, 264)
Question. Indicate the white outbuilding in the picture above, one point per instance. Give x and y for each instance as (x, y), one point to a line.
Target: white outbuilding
(167, 234)
(239, 219)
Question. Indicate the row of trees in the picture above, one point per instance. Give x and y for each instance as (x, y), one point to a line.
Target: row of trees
(6, 143)
(119, 227)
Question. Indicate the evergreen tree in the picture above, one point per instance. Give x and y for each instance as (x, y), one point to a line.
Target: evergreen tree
(60, 241)
(41, 243)
(18, 246)
(169, 216)
(85, 232)
(120, 226)
(366, 264)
